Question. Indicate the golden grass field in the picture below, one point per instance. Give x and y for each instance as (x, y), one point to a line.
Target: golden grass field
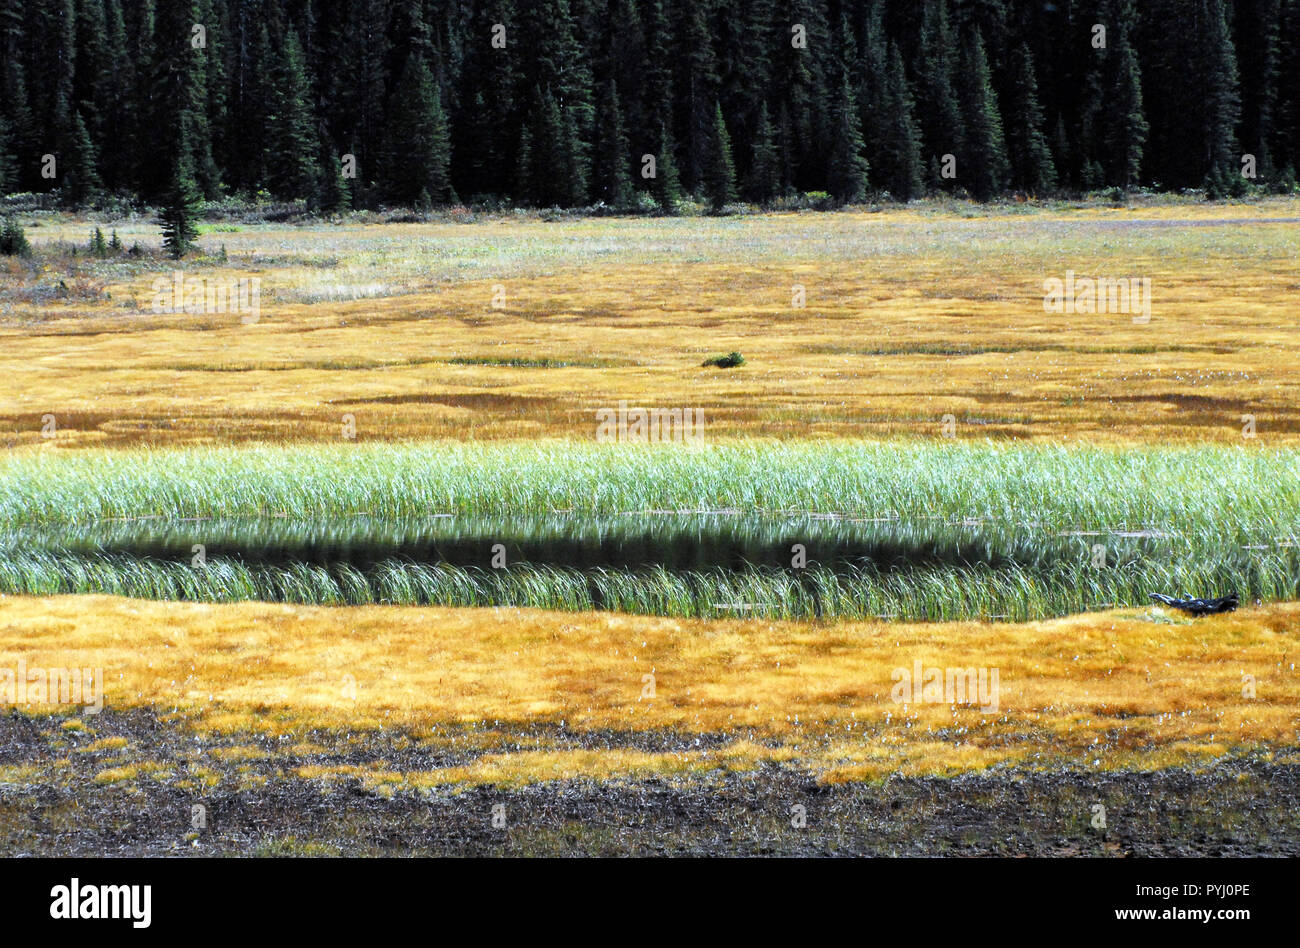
(910, 315)
(1131, 689)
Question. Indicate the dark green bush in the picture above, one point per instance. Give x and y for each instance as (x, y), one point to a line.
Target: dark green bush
(728, 361)
(13, 242)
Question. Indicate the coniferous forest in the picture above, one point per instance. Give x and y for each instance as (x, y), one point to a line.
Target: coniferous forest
(641, 103)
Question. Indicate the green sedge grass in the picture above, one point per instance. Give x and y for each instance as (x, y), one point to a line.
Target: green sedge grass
(919, 530)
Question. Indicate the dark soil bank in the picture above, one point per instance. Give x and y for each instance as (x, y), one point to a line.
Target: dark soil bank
(1237, 807)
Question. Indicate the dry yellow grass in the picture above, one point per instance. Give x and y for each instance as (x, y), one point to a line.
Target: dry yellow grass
(910, 315)
(1123, 689)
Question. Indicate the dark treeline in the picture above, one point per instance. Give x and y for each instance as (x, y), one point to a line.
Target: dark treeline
(558, 102)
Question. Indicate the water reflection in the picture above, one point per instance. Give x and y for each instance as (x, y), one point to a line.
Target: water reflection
(672, 541)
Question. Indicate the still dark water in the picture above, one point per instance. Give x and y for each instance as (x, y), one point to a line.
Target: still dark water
(662, 563)
(671, 541)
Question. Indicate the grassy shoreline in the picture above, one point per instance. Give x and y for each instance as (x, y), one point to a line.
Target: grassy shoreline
(913, 531)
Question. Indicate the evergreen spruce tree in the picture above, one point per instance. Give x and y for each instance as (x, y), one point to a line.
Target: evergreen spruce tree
(667, 187)
(887, 110)
(79, 179)
(487, 127)
(334, 194)
(410, 32)
(867, 78)
(118, 113)
(901, 169)
(251, 113)
(292, 145)
(627, 66)
(1090, 138)
(728, 24)
(1257, 35)
(178, 97)
(719, 168)
(546, 156)
(51, 62)
(847, 167)
(1032, 168)
(13, 242)
(1220, 99)
(181, 207)
(1126, 126)
(144, 164)
(696, 83)
(1287, 136)
(787, 148)
(983, 169)
(764, 181)
(8, 172)
(523, 172)
(368, 49)
(474, 163)
(577, 158)
(15, 102)
(612, 182)
(559, 64)
(1060, 150)
(92, 80)
(418, 155)
(216, 83)
(942, 127)
(85, 184)
(802, 87)
(655, 84)
(744, 63)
